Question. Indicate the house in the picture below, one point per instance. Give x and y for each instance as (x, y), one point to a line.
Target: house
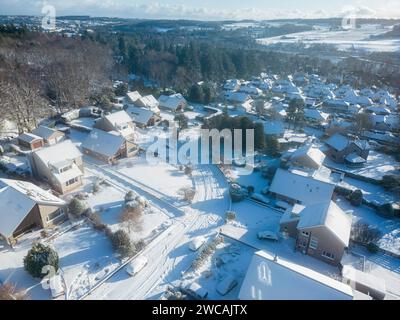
(133, 96)
(308, 156)
(232, 85)
(30, 141)
(50, 136)
(322, 230)
(237, 97)
(118, 121)
(142, 117)
(60, 165)
(272, 278)
(148, 102)
(274, 128)
(315, 116)
(174, 103)
(250, 90)
(343, 150)
(300, 187)
(108, 146)
(24, 206)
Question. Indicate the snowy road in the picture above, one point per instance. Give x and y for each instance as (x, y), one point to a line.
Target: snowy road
(168, 254)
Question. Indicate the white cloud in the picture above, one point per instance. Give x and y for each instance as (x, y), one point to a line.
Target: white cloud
(130, 9)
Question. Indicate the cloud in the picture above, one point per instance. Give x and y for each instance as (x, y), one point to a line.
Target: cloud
(157, 10)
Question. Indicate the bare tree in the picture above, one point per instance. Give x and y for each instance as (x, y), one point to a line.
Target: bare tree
(131, 217)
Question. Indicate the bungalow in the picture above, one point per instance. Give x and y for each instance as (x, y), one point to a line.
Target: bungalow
(30, 141)
(322, 230)
(273, 278)
(50, 136)
(143, 117)
(237, 97)
(343, 150)
(118, 121)
(300, 187)
(108, 146)
(174, 103)
(24, 206)
(60, 165)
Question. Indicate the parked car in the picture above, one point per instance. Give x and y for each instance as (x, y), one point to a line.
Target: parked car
(196, 291)
(196, 243)
(268, 235)
(136, 265)
(56, 286)
(226, 285)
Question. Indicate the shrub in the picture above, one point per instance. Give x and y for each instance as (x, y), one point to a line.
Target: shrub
(188, 171)
(364, 234)
(230, 215)
(97, 223)
(131, 216)
(372, 247)
(356, 198)
(386, 210)
(130, 196)
(122, 243)
(38, 257)
(76, 207)
(250, 189)
(187, 194)
(237, 192)
(8, 291)
(96, 187)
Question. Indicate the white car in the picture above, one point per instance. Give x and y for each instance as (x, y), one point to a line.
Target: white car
(136, 265)
(196, 243)
(268, 235)
(196, 291)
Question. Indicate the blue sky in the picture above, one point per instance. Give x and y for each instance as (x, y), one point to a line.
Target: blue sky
(210, 9)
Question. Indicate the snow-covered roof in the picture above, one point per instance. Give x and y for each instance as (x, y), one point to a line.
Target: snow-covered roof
(312, 153)
(315, 114)
(118, 118)
(171, 102)
(239, 97)
(134, 96)
(149, 101)
(303, 188)
(57, 153)
(327, 214)
(102, 142)
(17, 198)
(29, 137)
(140, 115)
(44, 132)
(355, 158)
(274, 127)
(338, 142)
(267, 279)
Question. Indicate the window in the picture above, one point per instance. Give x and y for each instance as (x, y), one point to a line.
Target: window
(55, 215)
(328, 255)
(65, 169)
(305, 233)
(70, 182)
(314, 243)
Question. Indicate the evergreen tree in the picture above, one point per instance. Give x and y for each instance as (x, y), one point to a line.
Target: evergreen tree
(38, 257)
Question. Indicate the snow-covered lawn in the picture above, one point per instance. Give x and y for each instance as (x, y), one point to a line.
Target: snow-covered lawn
(109, 203)
(371, 192)
(390, 229)
(160, 176)
(231, 258)
(377, 166)
(255, 179)
(86, 257)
